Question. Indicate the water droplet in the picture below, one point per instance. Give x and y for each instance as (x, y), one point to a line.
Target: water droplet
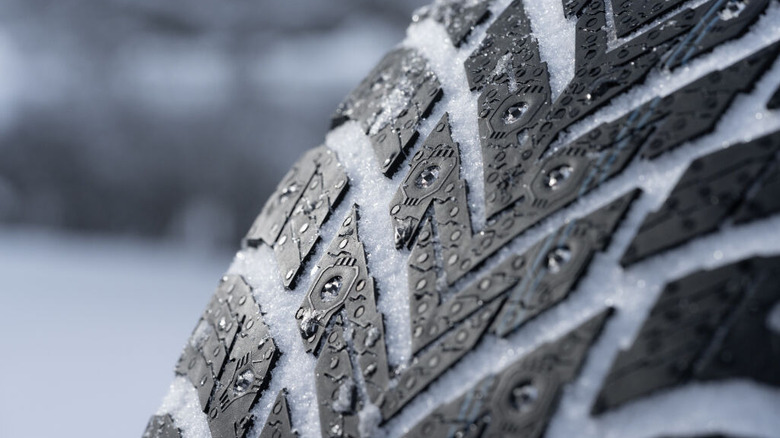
(244, 381)
(427, 177)
(331, 288)
(514, 113)
(557, 176)
(524, 396)
(557, 258)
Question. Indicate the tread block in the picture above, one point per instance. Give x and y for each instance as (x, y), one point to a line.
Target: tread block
(390, 103)
(161, 426)
(774, 101)
(434, 172)
(707, 325)
(291, 218)
(709, 191)
(343, 283)
(519, 400)
(336, 387)
(278, 424)
(761, 200)
(631, 14)
(229, 357)
(555, 265)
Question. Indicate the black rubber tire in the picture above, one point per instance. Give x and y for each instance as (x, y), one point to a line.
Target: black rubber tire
(531, 219)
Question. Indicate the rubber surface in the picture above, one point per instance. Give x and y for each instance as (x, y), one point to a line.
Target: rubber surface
(483, 249)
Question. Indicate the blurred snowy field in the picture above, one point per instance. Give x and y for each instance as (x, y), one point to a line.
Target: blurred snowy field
(92, 328)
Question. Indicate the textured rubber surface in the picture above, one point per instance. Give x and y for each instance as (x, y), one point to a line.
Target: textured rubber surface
(530, 219)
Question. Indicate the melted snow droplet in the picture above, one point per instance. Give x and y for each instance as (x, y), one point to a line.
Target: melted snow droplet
(557, 258)
(427, 177)
(244, 381)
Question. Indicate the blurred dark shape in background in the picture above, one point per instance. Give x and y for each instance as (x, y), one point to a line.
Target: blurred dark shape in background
(173, 118)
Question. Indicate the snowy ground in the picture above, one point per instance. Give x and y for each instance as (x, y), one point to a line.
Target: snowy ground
(92, 328)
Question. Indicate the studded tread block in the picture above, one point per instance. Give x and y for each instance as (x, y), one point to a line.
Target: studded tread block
(557, 219)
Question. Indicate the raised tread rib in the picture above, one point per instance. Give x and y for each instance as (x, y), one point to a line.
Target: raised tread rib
(278, 424)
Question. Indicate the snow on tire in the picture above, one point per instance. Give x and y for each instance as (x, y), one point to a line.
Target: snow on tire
(532, 218)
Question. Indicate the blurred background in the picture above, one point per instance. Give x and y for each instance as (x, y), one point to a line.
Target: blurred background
(138, 140)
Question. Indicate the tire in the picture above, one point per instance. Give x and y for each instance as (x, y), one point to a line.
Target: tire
(532, 218)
